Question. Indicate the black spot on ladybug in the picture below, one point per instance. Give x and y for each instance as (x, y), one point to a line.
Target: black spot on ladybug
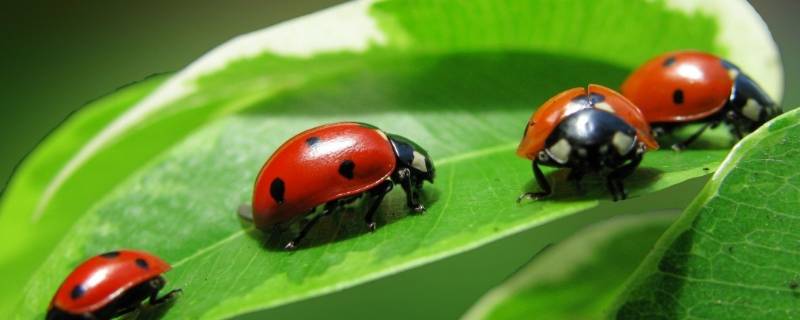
(312, 141)
(77, 292)
(142, 264)
(276, 190)
(110, 254)
(346, 169)
(669, 61)
(677, 96)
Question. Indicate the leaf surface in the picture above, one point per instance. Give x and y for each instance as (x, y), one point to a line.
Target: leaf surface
(734, 253)
(579, 277)
(167, 174)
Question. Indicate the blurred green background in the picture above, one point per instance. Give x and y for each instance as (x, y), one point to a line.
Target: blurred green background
(58, 55)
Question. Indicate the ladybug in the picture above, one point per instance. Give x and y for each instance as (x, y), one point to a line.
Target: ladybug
(331, 166)
(586, 130)
(683, 87)
(109, 285)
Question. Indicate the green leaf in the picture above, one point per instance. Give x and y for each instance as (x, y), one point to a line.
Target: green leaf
(733, 253)
(26, 242)
(579, 277)
(460, 79)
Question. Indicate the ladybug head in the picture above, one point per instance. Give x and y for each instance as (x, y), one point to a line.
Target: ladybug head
(750, 106)
(411, 155)
(590, 139)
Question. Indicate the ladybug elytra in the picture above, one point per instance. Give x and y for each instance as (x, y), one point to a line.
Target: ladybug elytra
(586, 130)
(333, 165)
(682, 87)
(109, 285)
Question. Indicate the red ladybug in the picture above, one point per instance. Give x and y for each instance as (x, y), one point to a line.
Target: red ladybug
(109, 285)
(590, 130)
(677, 88)
(333, 165)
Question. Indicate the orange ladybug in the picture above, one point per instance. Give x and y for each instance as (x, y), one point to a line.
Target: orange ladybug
(682, 87)
(586, 130)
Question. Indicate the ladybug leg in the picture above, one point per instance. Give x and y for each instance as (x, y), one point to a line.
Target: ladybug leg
(735, 125)
(659, 131)
(541, 180)
(737, 132)
(612, 187)
(614, 179)
(293, 244)
(406, 180)
(329, 207)
(157, 284)
(155, 300)
(682, 145)
(376, 196)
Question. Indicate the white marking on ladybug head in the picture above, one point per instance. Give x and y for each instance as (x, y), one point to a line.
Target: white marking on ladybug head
(604, 106)
(573, 107)
(752, 110)
(603, 149)
(582, 152)
(559, 151)
(419, 162)
(622, 142)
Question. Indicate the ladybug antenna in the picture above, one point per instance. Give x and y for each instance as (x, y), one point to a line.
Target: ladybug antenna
(245, 211)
